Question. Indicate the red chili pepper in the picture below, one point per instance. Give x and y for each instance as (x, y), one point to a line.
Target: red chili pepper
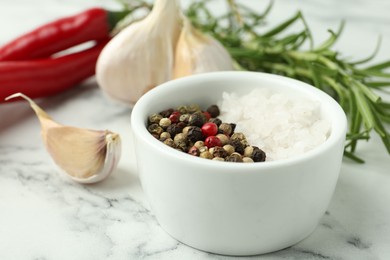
(92, 24)
(44, 77)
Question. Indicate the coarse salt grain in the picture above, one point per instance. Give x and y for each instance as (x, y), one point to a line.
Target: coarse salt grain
(280, 124)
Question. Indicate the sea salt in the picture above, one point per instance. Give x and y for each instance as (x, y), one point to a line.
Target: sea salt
(279, 123)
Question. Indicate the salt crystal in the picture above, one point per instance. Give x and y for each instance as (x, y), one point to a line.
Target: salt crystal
(280, 124)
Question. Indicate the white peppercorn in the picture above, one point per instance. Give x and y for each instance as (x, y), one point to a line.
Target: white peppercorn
(223, 138)
(229, 149)
(199, 144)
(165, 122)
(247, 160)
(248, 151)
(203, 149)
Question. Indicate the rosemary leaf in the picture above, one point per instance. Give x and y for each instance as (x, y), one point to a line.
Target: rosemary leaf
(349, 83)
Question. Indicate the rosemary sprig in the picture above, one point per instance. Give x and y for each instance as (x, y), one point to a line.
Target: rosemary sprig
(279, 51)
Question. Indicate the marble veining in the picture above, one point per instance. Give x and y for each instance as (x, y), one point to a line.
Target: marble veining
(46, 216)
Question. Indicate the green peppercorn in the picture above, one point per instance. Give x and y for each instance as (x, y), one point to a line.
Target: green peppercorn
(225, 128)
(169, 142)
(184, 118)
(213, 110)
(206, 155)
(182, 109)
(195, 134)
(155, 118)
(155, 129)
(181, 141)
(193, 108)
(164, 136)
(239, 137)
(197, 119)
(183, 132)
(165, 122)
(234, 157)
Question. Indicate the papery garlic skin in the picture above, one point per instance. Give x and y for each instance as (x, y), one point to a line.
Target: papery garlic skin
(86, 156)
(111, 160)
(199, 53)
(140, 57)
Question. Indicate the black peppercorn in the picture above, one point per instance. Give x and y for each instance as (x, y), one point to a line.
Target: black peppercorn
(258, 155)
(181, 125)
(238, 145)
(155, 136)
(213, 110)
(233, 126)
(216, 121)
(194, 134)
(197, 119)
(174, 129)
(167, 113)
(219, 152)
(181, 129)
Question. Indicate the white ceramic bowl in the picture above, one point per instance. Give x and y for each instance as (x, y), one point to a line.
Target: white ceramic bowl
(235, 208)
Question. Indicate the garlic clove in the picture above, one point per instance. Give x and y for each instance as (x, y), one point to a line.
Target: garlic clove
(140, 56)
(197, 52)
(112, 156)
(86, 156)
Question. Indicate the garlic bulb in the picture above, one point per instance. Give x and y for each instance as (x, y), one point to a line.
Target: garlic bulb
(140, 56)
(87, 156)
(198, 53)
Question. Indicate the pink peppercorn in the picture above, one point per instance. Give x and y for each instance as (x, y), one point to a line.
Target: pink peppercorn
(207, 114)
(212, 141)
(174, 117)
(209, 129)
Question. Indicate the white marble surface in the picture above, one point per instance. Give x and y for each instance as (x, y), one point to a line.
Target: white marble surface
(45, 216)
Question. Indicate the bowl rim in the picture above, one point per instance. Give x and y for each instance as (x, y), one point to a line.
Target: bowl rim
(140, 131)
